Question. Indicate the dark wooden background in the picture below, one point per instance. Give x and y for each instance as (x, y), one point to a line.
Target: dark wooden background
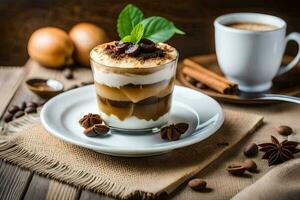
(19, 18)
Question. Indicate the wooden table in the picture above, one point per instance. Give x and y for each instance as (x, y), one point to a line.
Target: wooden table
(17, 183)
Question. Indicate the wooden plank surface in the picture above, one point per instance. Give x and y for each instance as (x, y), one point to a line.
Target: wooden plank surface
(13, 181)
(10, 79)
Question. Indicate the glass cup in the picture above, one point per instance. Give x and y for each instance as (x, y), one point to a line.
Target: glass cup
(134, 98)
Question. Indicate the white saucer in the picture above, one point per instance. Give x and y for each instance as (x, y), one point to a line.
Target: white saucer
(61, 114)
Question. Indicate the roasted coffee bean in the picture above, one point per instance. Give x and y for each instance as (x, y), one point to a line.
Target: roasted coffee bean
(133, 50)
(96, 130)
(23, 106)
(236, 169)
(250, 165)
(122, 46)
(30, 110)
(31, 104)
(197, 184)
(13, 109)
(147, 46)
(19, 114)
(284, 130)
(251, 150)
(8, 117)
(68, 74)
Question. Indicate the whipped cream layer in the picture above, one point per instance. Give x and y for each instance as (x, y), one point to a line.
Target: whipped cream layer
(101, 56)
(134, 122)
(117, 80)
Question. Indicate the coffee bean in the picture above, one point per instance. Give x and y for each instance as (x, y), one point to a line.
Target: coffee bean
(197, 184)
(19, 114)
(8, 117)
(23, 105)
(147, 46)
(133, 50)
(250, 165)
(31, 104)
(68, 74)
(236, 169)
(30, 110)
(122, 46)
(284, 130)
(251, 150)
(13, 109)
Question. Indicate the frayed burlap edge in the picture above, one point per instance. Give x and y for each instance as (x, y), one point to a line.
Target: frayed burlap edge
(12, 153)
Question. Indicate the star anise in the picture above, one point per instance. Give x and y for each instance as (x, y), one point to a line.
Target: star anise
(173, 131)
(89, 120)
(278, 152)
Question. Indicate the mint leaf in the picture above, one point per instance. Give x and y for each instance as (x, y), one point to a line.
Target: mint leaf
(129, 17)
(159, 29)
(127, 38)
(137, 33)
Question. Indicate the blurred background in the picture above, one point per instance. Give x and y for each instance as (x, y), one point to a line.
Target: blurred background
(19, 18)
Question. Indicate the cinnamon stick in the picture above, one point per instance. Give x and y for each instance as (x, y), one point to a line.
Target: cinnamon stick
(200, 68)
(207, 80)
(207, 77)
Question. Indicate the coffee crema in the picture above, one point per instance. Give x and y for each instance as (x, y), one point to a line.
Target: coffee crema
(251, 26)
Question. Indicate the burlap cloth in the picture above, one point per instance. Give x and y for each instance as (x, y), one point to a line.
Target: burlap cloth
(146, 178)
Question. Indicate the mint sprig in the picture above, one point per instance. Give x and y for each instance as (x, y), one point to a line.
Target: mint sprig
(132, 26)
(128, 18)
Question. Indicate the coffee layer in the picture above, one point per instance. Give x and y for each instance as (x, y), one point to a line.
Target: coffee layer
(151, 108)
(135, 93)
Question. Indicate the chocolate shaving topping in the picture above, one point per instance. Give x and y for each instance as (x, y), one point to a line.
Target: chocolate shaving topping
(276, 152)
(145, 49)
(89, 120)
(173, 131)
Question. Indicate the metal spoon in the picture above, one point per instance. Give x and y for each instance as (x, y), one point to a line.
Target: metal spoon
(267, 97)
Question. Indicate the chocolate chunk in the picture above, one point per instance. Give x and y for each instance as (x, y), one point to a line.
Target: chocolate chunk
(13, 109)
(236, 169)
(96, 130)
(284, 130)
(133, 50)
(251, 150)
(197, 184)
(30, 110)
(122, 46)
(23, 105)
(250, 165)
(19, 114)
(8, 117)
(147, 46)
(68, 74)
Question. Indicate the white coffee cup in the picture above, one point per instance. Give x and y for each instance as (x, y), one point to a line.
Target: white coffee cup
(252, 58)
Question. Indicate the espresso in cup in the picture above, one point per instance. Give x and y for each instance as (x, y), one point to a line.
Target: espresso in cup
(250, 47)
(251, 26)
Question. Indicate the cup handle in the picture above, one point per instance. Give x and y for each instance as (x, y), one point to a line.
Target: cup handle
(283, 69)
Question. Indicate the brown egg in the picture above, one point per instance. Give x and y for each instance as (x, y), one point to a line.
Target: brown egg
(86, 36)
(51, 47)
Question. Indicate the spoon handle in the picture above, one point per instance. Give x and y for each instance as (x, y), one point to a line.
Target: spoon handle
(281, 98)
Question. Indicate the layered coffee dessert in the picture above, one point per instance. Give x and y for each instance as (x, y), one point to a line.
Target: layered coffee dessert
(134, 83)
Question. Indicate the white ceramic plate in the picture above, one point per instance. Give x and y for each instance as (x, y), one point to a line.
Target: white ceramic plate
(61, 114)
